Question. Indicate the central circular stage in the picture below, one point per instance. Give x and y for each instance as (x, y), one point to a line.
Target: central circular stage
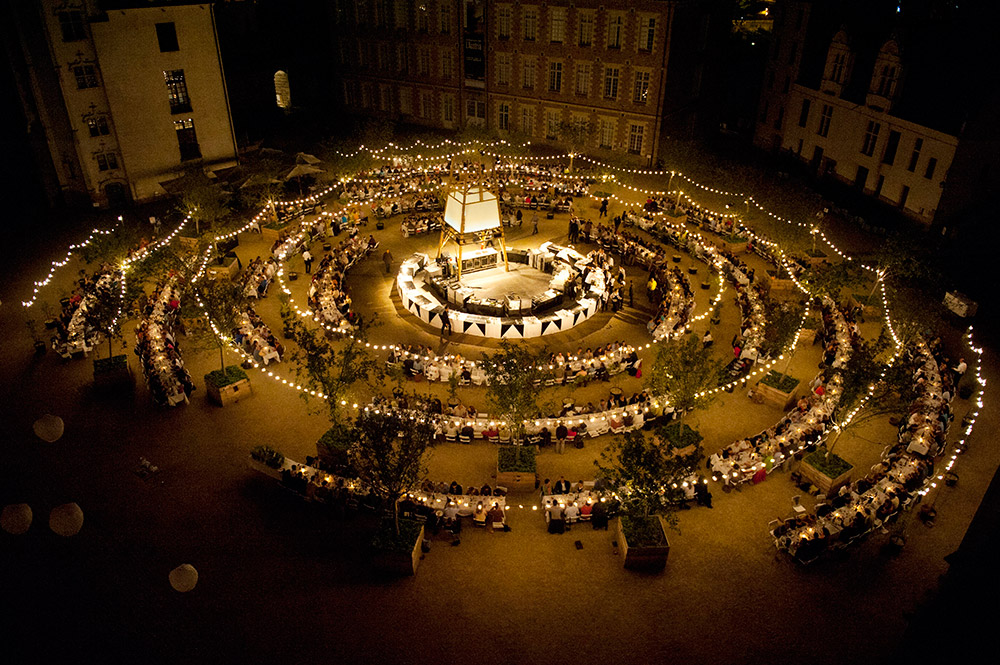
(545, 291)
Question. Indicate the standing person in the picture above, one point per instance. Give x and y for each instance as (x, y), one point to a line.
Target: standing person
(534, 223)
(603, 212)
(308, 259)
(446, 321)
(387, 260)
(630, 301)
(557, 523)
(561, 434)
(618, 222)
(519, 216)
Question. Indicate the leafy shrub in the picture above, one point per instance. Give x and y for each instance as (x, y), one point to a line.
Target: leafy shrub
(779, 381)
(109, 365)
(221, 379)
(519, 459)
(386, 540)
(679, 435)
(832, 466)
(643, 531)
(268, 456)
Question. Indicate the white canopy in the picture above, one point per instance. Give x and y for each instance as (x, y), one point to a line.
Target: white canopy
(472, 210)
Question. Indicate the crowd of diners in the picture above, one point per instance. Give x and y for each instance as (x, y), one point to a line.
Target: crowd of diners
(72, 331)
(328, 296)
(873, 501)
(256, 339)
(258, 276)
(156, 345)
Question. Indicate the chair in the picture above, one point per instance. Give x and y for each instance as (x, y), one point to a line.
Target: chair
(464, 438)
(796, 505)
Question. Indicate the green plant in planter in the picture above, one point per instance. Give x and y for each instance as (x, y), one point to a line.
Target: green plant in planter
(388, 539)
(268, 456)
(683, 371)
(648, 476)
(333, 449)
(828, 464)
(516, 459)
(109, 365)
(779, 381)
(678, 435)
(643, 531)
(511, 374)
(222, 378)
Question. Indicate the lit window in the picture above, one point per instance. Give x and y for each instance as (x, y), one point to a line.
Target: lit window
(187, 140)
(177, 92)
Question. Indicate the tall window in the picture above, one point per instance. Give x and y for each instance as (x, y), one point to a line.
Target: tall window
(282, 91)
(423, 104)
(401, 18)
(504, 21)
(931, 165)
(422, 19)
(177, 91)
(886, 82)
(503, 116)
(528, 120)
(405, 101)
(106, 161)
(641, 90)
(915, 155)
(448, 108)
(586, 28)
(635, 139)
(528, 73)
(891, 146)
(402, 59)
(647, 34)
(445, 17)
(610, 83)
(583, 79)
(530, 20)
(871, 138)
(447, 64)
(555, 77)
(384, 98)
(71, 25)
(187, 140)
(804, 113)
(557, 25)
(607, 133)
(98, 125)
(824, 120)
(423, 61)
(615, 24)
(503, 68)
(837, 72)
(86, 76)
(166, 35)
(552, 124)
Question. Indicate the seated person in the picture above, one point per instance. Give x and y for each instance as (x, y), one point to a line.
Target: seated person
(495, 515)
(572, 513)
(486, 490)
(479, 515)
(454, 488)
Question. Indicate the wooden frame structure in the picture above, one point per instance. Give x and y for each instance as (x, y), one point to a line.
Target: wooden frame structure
(471, 214)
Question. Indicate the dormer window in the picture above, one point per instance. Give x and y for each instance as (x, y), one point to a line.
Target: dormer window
(838, 64)
(885, 77)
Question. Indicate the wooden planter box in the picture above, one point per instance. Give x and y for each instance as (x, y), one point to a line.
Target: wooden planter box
(229, 394)
(118, 377)
(227, 270)
(781, 287)
(817, 260)
(676, 220)
(825, 483)
(734, 247)
(399, 563)
(807, 335)
(272, 234)
(188, 242)
(265, 469)
(516, 481)
(643, 558)
(777, 397)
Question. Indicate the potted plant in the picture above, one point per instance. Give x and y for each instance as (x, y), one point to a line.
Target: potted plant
(648, 475)
(224, 304)
(105, 316)
(40, 346)
(810, 328)
(333, 449)
(228, 385)
(827, 471)
(388, 454)
(267, 460)
(778, 389)
(511, 375)
(516, 467)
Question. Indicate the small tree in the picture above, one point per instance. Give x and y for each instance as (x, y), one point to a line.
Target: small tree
(887, 382)
(648, 475)
(333, 367)
(204, 202)
(224, 304)
(782, 321)
(683, 371)
(105, 312)
(511, 393)
(831, 280)
(389, 454)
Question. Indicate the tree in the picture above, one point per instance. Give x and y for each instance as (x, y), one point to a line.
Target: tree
(224, 304)
(512, 374)
(105, 311)
(206, 203)
(832, 279)
(683, 372)
(388, 454)
(876, 373)
(333, 367)
(648, 474)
